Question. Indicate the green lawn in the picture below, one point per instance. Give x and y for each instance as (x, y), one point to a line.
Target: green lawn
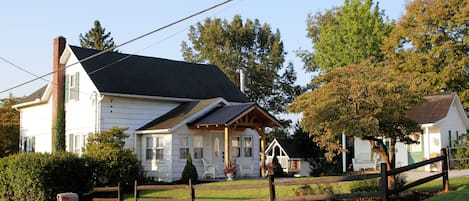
(460, 187)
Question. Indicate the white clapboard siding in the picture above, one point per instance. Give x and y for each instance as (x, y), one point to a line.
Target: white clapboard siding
(36, 121)
(131, 113)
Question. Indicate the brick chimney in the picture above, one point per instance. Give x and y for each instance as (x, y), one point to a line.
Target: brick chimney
(58, 97)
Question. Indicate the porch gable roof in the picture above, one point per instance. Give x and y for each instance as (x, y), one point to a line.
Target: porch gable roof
(239, 115)
(181, 114)
(293, 149)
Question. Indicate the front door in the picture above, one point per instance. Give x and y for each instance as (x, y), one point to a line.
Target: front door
(218, 155)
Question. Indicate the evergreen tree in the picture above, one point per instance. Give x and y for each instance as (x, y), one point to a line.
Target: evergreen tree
(345, 35)
(97, 38)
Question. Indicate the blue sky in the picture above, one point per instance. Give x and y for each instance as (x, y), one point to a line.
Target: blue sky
(29, 27)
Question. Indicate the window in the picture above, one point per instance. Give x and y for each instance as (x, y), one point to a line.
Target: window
(247, 144)
(76, 143)
(154, 148)
(198, 147)
(149, 151)
(29, 144)
(183, 146)
(236, 146)
(294, 164)
(72, 87)
(216, 147)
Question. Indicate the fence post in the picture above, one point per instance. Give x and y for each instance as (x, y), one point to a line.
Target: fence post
(192, 191)
(135, 190)
(271, 184)
(384, 182)
(444, 169)
(120, 196)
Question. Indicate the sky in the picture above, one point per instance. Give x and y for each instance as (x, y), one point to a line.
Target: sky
(29, 27)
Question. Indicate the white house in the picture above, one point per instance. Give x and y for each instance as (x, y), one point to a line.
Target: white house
(292, 156)
(441, 118)
(171, 109)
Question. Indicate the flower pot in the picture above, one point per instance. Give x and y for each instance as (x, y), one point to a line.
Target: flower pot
(229, 176)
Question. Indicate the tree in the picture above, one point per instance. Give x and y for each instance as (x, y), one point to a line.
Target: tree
(9, 127)
(111, 162)
(319, 165)
(366, 100)
(345, 35)
(97, 38)
(431, 41)
(250, 47)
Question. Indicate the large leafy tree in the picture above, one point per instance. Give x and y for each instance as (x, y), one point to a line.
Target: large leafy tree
(366, 100)
(250, 47)
(9, 127)
(97, 38)
(345, 35)
(431, 41)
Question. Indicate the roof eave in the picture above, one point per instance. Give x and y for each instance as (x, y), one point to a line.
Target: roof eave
(200, 113)
(148, 97)
(156, 131)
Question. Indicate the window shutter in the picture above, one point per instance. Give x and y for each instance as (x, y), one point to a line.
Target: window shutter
(70, 143)
(33, 144)
(67, 88)
(77, 85)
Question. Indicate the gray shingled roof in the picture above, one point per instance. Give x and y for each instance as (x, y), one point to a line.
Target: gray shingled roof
(296, 149)
(149, 76)
(35, 95)
(222, 115)
(435, 108)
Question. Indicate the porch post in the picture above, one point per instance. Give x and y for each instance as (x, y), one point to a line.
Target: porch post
(227, 145)
(261, 132)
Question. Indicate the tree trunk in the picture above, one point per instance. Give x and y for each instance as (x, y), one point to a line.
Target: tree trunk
(378, 146)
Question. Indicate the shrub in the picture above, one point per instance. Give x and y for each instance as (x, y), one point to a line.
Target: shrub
(110, 161)
(40, 177)
(462, 152)
(189, 172)
(367, 185)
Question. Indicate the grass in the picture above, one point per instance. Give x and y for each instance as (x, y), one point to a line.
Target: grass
(459, 187)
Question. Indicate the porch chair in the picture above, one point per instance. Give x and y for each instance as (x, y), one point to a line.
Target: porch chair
(245, 168)
(364, 161)
(209, 170)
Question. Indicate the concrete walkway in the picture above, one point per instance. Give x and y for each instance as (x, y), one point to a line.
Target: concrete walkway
(414, 175)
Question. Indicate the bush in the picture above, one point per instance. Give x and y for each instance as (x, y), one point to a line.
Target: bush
(462, 152)
(40, 177)
(110, 162)
(189, 172)
(367, 185)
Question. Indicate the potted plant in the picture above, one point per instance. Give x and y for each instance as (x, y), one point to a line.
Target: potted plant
(230, 171)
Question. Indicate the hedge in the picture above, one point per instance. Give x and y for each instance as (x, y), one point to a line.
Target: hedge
(40, 177)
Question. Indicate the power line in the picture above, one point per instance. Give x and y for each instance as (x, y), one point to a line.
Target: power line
(19, 67)
(120, 45)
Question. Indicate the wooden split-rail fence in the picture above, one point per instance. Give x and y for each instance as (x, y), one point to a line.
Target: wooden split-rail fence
(271, 183)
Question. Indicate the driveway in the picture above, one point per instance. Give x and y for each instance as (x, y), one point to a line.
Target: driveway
(414, 175)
